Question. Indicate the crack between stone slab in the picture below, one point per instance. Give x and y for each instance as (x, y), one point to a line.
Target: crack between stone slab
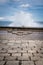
(20, 63)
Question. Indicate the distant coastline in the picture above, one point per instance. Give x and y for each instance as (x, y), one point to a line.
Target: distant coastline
(21, 28)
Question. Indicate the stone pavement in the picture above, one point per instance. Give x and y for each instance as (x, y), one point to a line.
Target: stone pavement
(16, 49)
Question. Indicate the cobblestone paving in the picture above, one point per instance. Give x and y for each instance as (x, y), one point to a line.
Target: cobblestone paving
(15, 49)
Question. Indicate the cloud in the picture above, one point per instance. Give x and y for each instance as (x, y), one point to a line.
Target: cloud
(22, 19)
(16, 0)
(3, 1)
(25, 5)
(18, 16)
(1, 18)
(33, 2)
(38, 2)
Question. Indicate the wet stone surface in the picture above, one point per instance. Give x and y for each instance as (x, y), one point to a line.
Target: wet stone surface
(18, 48)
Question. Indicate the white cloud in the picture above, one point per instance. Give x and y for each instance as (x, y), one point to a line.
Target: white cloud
(37, 2)
(16, 0)
(25, 5)
(1, 18)
(22, 19)
(3, 1)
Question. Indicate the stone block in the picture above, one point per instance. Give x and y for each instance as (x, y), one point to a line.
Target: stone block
(35, 58)
(23, 58)
(16, 54)
(27, 63)
(12, 63)
(10, 58)
(2, 62)
(39, 62)
(4, 54)
(1, 58)
(12, 51)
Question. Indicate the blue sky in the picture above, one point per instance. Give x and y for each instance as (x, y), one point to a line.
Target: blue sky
(27, 13)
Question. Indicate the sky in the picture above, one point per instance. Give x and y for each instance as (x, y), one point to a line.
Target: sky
(27, 13)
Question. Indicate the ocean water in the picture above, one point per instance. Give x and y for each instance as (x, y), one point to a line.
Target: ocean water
(7, 23)
(4, 23)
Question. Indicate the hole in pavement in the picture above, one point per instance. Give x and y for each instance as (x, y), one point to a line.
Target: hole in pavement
(16, 58)
(29, 58)
(20, 63)
(10, 54)
(21, 54)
